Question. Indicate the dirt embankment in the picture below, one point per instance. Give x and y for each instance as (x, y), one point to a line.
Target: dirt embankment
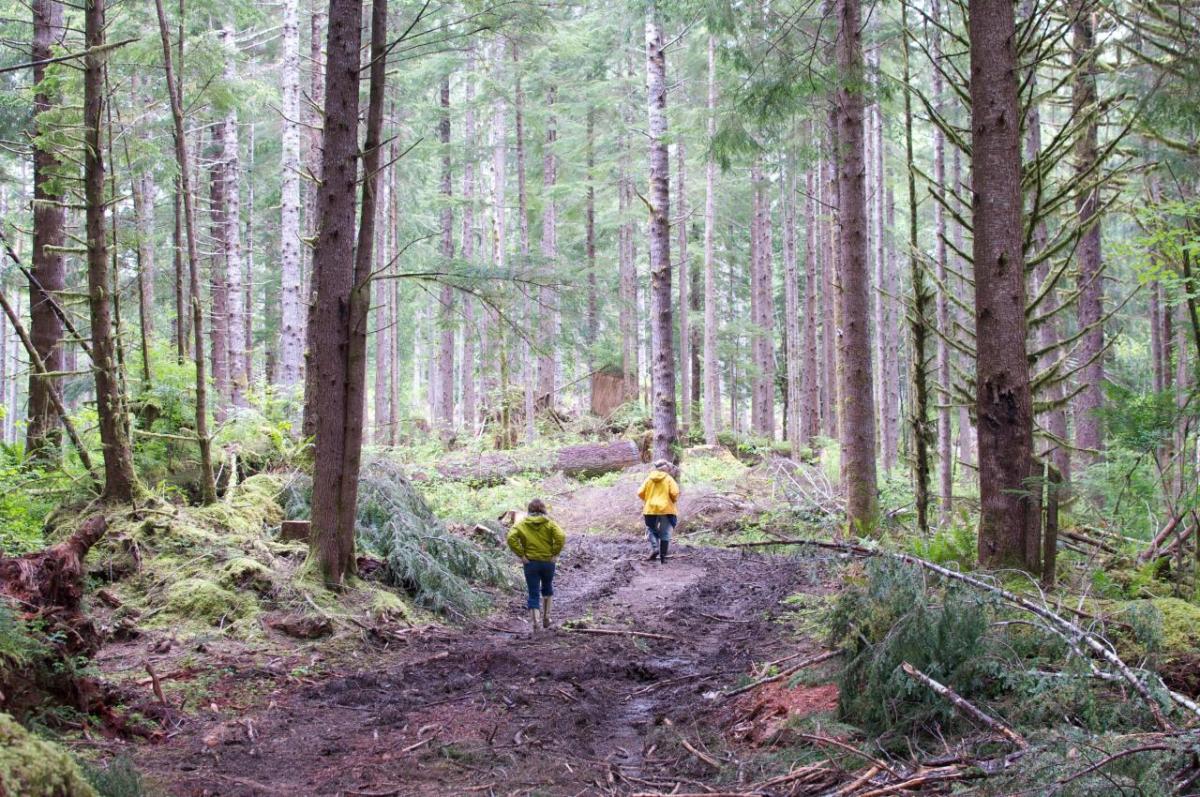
(486, 710)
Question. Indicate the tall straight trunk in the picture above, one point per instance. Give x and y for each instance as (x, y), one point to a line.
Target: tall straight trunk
(385, 357)
(1089, 431)
(232, 240)
(318, 30)
(1054, 419)
(526, 354)
(945, 452)
(662, 372)
(120, 481)
(470, 410)
(887, 373)
(547, 301)
(444, 405)
(757, 423)
(857, 402)
(830, 296)
(696, 346)
(628, 315)
(919, 317)
(183, 159)
(181, 313)
(498, 353)
(966, 428)
(343, 288)
(291, 331)
(712, 373)
(810, 415)
(1157, 346)
(1008, 536)
(248, 310)
(592, 322)
(49, 270)
(142, 189)
(218, 286)
(794, 353)
(685, 334)
(893, 348)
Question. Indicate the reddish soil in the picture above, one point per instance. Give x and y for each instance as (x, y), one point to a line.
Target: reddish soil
(487, 710)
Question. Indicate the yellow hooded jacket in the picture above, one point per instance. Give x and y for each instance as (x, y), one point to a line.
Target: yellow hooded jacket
(659, 493)
(537, 538)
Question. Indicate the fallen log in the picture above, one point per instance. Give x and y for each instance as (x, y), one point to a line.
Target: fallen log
(619, 632)
(585, 460)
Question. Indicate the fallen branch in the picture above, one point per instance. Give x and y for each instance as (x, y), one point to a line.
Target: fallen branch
(705, 757)
(849, 748)
(620, 632)
(156, 685)
(779, 676)
(1060, 625)
(961, 703)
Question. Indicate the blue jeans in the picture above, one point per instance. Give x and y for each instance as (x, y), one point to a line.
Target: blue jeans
(539, 580)
(659, 527)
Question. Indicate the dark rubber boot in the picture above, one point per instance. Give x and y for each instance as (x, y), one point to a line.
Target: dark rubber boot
(662, 551)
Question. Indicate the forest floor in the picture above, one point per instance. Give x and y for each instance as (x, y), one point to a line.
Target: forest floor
(487, 709)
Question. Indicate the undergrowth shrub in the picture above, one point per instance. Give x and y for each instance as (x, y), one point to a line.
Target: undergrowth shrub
(441, 571)
(953, 545)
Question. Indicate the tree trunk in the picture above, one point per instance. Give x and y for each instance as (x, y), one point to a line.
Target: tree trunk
(547, 302)
(810, 418)
(444, 405)
(470, 411)
(685, 334)
(1089, 431)
(49, 270)
(526, 354)
(966, 427)
(857, 410)
(712, 373)
(318, 19)
(945, 451)
(662, 375)
(183, 160)
(628, 315)
(143, 189)
(231, 170)
(385, 357)
(120, 481)
(1007, 534)
(335, 283)
(218, 287)
(589, 220)
(919, 317)
(794, 352)
(829, 295)
(291, 333)
(181, 313)
(499, 352)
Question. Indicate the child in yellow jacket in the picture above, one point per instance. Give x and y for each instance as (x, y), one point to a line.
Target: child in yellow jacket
(538, 540)
(659, 492)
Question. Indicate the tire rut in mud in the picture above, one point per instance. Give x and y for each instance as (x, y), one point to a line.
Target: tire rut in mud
(481, 708)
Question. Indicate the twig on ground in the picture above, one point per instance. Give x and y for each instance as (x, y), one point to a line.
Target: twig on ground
(849, 748)
(829, 654)
(965, 707)
(156, 685)
(620, 632)
(712, 762)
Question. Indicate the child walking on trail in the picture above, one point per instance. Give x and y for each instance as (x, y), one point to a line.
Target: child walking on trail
(659, 492)
(538, 540)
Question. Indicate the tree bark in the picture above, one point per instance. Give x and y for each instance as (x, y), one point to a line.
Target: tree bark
(794, 356)
(661, 329)
(628, 311)
(942, 302)
(444, 405)
(526, 354)
(829, 294)
(218, 286)
(383, 309)
(810, 417)
(1004, 407)
(120, 481)
(470, 410)
(49, 270)
(318, 29)
(208, 488)
(291, 333)
(231, 170)
(547, 302)
(333, 486)
(1089, 431)
(685, 334)
(589, 220)
(857, 393)
(712, 373)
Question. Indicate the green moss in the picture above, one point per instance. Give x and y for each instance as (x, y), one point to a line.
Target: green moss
(204, 601)
(249, 574)
(1180, 625)
(32, 767)
(389, 606)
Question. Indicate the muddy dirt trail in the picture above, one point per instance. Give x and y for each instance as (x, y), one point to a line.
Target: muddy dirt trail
(488, 710)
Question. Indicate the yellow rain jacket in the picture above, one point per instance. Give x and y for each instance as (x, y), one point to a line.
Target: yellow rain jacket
(659, 493)
(537, 538)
